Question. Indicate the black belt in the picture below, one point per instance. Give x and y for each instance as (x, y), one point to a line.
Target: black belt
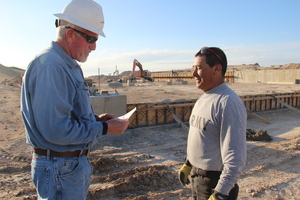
(77, 153)
(202, 172)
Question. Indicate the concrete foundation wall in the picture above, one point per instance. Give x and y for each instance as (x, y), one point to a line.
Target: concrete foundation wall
(115, 84)
(113, 103)
(287, 76)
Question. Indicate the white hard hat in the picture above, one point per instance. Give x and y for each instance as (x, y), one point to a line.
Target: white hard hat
(86, 14)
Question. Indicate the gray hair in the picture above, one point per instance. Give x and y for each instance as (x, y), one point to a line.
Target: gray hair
(61, 29)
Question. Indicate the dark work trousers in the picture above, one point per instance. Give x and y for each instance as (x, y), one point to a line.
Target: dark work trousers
(203, 183)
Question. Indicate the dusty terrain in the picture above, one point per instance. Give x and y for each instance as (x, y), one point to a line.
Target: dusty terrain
(143, 162)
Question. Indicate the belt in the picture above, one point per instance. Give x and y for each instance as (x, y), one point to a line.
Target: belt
(202, 172)
(77, 153)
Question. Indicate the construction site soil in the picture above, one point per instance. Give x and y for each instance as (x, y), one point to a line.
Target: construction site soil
(143, 162)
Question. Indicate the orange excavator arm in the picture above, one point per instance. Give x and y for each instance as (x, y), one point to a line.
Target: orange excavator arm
(137, 63)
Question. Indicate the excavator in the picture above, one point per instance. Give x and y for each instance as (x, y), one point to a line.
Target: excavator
(116, 73)
(144, 74)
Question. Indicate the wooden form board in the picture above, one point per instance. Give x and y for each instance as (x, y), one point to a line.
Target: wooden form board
(151, 114)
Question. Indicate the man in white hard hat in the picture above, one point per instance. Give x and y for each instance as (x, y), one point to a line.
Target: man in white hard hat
(58, 117)
(216, 148)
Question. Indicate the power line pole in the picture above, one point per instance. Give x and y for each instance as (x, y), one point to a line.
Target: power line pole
(99, 79)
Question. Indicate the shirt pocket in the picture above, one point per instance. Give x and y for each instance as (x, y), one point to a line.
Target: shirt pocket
(84, 103)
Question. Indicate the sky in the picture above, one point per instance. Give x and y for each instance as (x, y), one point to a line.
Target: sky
(160, 34)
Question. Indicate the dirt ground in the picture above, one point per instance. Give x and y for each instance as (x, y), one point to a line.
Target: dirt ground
(142, 163)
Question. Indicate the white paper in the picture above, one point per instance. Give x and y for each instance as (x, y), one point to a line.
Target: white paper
(128, 115)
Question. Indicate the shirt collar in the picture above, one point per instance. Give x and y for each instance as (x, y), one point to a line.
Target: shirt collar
(218, 87)
(70, 61)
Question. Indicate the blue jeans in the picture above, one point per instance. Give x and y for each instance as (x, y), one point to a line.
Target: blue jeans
(61, 178)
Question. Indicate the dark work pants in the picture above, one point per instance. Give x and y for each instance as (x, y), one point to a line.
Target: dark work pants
(203, 183)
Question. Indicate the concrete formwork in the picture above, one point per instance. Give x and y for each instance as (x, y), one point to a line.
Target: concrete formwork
(184, 76)
(286, 76)
(150, 114)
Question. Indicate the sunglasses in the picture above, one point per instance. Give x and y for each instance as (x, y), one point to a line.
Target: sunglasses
(208, 51)
(89, 39)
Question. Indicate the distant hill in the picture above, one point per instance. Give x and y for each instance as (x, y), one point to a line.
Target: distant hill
(11, 71)
(10, 74)
(14, 74)
(286, 66)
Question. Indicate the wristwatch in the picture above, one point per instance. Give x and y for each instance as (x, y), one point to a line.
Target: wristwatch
(219, 196)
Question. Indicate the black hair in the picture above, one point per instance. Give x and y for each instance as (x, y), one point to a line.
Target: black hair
(213, 60)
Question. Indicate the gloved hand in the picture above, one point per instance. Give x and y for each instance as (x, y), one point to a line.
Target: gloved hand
(184, 173)
(212, 198)
(217, 196)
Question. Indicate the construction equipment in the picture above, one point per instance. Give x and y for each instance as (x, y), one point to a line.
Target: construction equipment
(143, 74)
(116, 73)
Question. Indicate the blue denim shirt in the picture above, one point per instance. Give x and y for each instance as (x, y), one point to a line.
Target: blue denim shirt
(55, 104)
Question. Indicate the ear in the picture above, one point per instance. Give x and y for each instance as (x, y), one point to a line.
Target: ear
(218, 69)
(70, 35)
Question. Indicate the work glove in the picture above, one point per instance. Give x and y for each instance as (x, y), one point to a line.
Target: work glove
(217, 196)
(212, 198)
(183, 174)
